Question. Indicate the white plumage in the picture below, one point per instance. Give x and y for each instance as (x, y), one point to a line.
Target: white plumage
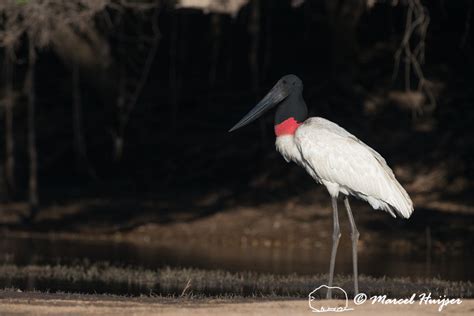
(344, 164)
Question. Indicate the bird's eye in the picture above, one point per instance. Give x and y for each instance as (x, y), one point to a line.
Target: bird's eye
(284, 81)
(294, 83)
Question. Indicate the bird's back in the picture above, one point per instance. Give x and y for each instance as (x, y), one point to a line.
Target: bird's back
(344, 164)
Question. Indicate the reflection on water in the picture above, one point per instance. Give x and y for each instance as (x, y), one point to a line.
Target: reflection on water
(25, 251)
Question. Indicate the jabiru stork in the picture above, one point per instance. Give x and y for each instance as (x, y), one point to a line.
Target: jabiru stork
(333, 157)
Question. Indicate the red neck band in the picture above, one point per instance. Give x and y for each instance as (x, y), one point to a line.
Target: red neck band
(287, 127)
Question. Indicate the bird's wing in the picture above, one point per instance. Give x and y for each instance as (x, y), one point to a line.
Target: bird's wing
(338, 157)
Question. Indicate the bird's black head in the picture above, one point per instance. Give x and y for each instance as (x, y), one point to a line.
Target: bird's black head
(287, 94)
(291, 84)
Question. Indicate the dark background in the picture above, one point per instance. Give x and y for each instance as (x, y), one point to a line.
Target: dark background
(132, 107)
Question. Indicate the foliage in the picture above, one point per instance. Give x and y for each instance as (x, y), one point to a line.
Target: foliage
(42, 19)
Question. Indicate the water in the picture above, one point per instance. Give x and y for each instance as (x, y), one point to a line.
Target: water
(24, 251)
(31, 251)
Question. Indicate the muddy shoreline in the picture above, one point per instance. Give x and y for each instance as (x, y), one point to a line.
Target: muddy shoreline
(15, 303)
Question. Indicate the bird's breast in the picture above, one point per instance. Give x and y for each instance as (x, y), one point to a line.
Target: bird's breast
(285, 145)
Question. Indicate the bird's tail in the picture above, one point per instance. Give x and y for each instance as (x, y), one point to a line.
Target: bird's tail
(400, 202)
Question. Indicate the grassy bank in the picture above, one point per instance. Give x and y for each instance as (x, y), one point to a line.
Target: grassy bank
(108, 279)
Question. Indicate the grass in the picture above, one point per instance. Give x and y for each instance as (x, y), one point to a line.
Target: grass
(107, 279)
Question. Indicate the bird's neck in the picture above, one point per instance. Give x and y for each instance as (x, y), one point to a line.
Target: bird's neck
(287, 127)
(290, 114)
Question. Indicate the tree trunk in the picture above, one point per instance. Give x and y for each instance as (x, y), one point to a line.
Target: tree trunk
(343, 18)
(216, 34)
(9, 136)
(176, 69)
(32, 154)
(268, 44)
(254, 32)
(121, 100)
(79, 146)
(80, 149)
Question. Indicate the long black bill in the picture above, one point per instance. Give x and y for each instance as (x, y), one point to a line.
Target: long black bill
(275, 96)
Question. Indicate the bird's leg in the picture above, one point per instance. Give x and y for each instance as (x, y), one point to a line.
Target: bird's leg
(355, 238)
(336, 234)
